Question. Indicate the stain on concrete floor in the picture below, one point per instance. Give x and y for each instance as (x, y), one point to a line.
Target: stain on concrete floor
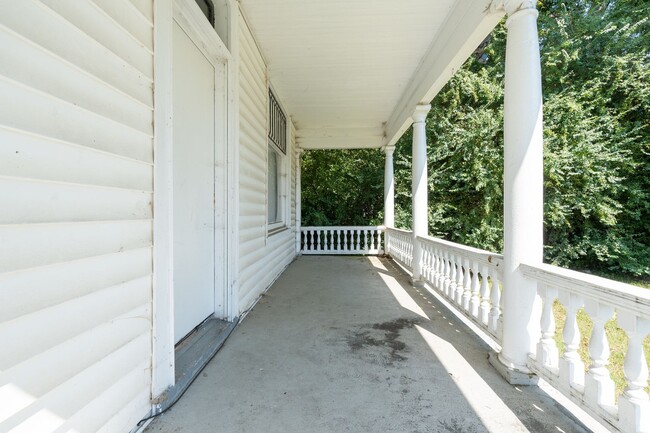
(381, 340)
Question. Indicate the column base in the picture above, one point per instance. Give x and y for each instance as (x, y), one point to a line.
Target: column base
(417, 283)
(513, 376)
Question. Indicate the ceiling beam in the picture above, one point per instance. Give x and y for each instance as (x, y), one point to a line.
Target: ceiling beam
(340, 138)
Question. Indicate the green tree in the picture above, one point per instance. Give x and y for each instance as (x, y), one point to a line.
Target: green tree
(596, 82)
(342, 187)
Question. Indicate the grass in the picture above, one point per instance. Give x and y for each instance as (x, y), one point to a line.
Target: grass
(615, 336)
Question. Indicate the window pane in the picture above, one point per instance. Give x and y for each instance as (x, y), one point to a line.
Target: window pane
(273, 216)
(206, 8)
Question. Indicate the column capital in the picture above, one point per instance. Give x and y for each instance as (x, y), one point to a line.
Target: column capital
(420, 113)
(388, 150)
(511, 7)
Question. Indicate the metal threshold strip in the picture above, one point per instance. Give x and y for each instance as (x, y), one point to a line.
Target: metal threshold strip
(192, 354)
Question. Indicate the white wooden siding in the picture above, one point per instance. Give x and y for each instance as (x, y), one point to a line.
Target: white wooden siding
(76, 180)
(294, 150)
(261, 258)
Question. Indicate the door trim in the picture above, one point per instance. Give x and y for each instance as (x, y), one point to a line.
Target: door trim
(190, 18)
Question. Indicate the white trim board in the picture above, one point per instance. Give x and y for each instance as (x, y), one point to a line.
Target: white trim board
(187, 14)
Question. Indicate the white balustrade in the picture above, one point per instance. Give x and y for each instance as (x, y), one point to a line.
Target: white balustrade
(354, 240)
(399, 245)
(602, 299)
(467, 277)
(471, 280)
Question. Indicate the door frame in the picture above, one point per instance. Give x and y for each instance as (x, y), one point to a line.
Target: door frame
(189, 17)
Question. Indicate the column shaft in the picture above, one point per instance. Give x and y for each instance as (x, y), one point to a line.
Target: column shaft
(523, 187)
(419, 186)
(389, 188)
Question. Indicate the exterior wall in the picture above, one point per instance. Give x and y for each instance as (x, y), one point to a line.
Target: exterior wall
(261, 257)
(76, 179)
(294, 150)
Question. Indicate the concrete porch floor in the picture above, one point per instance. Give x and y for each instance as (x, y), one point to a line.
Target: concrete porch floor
(345, 344)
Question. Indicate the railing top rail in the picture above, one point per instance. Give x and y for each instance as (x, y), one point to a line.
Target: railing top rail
(617, 294)
(470, 252)
(393, 229)
(343, 227)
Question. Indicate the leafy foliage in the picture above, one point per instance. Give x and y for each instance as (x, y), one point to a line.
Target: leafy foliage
(342, 187)
(596, 81)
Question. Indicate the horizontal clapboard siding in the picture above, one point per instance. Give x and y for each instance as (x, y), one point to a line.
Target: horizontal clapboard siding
(76, 184)
(293, 175)
(261, 258)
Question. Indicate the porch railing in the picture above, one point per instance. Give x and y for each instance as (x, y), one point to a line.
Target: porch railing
(600, 299)
(399, 245)
(468, 277)
(364, 240)
(471, 279)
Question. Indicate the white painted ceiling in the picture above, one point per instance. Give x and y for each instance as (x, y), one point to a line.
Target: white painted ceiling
(344, 65)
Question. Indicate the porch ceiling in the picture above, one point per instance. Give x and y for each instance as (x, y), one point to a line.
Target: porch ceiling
(350, 72)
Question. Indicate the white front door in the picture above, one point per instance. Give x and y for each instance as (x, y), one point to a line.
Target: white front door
(193, 184)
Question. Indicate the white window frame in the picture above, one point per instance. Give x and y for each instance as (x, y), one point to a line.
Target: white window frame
(283, 168)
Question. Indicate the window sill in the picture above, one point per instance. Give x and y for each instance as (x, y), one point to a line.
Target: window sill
(275, 230)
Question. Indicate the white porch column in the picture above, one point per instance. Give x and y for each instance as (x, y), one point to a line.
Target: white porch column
(419, 185)
(523, 184)
(389, 188)
(298, 199)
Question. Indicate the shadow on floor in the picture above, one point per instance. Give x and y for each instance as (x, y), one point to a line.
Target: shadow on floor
(345, 344)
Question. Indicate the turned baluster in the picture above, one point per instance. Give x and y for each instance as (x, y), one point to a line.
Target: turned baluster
(398, 246)
(407, 252)
(436, 268)
(467, 284)
(502, 298)
(452, 276)
(405, 248)
(356, 239)
(432, 264)
(599, 386)
(444, 269)
(448, 279)
(571, 366)
(460, 279)
(424, 264)
(485, 296)
(475, 299)
(317, 245)
(495, 301)
(365, 240)
(634, 404)
(547, 353)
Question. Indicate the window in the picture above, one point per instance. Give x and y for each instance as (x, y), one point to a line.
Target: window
(207, 7)
(276, 165)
